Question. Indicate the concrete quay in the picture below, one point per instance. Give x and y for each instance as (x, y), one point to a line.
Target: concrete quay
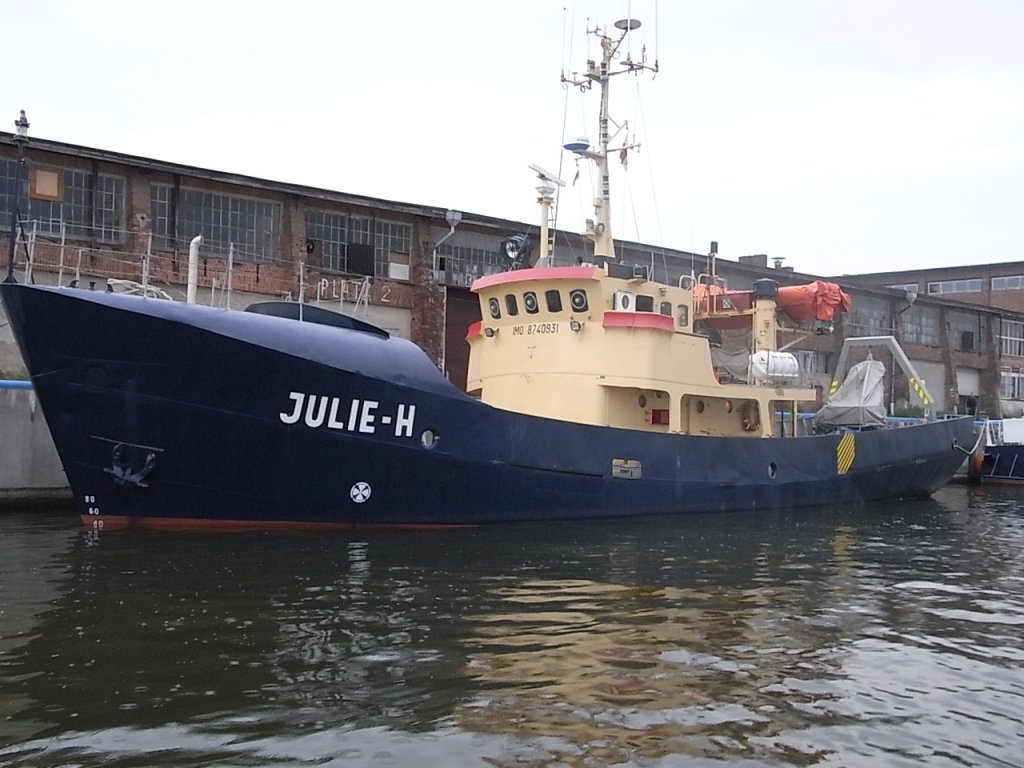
(29, 466)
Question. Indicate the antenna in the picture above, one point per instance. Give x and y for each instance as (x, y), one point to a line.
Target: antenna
(599, 74)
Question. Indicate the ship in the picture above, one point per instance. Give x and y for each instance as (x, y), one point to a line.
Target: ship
(594, 392)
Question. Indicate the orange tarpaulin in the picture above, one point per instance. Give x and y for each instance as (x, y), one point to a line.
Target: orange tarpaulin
(814, 301)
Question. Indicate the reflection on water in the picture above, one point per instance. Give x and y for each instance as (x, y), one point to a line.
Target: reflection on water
(840, 637)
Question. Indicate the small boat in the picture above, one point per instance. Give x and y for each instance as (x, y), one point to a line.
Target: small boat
(1001, 457)
(594, 391)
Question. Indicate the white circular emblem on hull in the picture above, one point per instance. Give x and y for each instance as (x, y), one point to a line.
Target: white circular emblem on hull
(360, 492)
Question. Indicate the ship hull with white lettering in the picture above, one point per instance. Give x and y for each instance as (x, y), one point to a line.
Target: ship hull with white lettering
(167, 414)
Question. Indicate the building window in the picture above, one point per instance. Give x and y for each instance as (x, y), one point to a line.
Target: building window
(373, 246)
(1011, 383)
(253, 226)
(90, 206)
(467, 256)
(869, 317)
(462, 264)
(1011, 339)
(392, 246)
(327, 239)
(964, 330)
(7, 168)
(108, 209)
(912, 287)
(1008, 283)
(971, 285)
(920, 325)
(162, 215)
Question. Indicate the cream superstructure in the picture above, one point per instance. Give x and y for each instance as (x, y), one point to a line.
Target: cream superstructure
(576, 344)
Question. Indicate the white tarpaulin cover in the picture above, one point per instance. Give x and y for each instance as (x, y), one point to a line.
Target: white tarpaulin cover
(859, 401)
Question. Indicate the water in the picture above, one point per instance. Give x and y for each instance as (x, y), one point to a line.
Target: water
(880, 636)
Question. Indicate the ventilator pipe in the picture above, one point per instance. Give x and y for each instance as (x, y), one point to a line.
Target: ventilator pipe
(193, 267)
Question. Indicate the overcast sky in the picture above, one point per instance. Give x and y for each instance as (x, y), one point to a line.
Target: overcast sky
(843, 135)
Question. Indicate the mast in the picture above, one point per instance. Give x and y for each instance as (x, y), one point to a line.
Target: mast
(599, 231)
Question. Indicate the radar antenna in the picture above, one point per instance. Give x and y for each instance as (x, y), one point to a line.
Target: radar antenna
(547, 185)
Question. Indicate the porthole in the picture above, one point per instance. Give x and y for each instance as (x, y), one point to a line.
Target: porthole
(578, 300)
(700, 406)
(530, 302)
(495, 307)
(772, 469)
(428, 439)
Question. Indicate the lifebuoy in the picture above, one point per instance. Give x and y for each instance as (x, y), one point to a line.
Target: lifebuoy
(750, 416)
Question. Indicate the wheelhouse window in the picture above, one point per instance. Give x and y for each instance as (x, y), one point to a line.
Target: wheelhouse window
(682, 315)
(511, 304)
(531, 303)
(554, 300)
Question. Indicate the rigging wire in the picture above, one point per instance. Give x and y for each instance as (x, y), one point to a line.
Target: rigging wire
(566, 55)
(650, 165)
(656, 35)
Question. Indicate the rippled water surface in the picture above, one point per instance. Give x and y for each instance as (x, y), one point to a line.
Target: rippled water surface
(879, 636)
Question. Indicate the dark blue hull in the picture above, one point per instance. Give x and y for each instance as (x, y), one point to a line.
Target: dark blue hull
(165, 413)
(1003, 463)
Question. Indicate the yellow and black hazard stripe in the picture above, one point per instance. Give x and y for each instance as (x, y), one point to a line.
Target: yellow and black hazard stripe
(846, 450)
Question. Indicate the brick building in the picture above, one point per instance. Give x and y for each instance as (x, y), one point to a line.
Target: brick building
(998, 287)
(91, 215)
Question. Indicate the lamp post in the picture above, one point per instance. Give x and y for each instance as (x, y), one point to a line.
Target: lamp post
(20, 140)
(453, 218)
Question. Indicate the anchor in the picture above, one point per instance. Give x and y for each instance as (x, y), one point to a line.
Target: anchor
(124, 474)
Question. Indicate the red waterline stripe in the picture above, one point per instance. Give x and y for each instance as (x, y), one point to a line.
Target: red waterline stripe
(120, 523)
